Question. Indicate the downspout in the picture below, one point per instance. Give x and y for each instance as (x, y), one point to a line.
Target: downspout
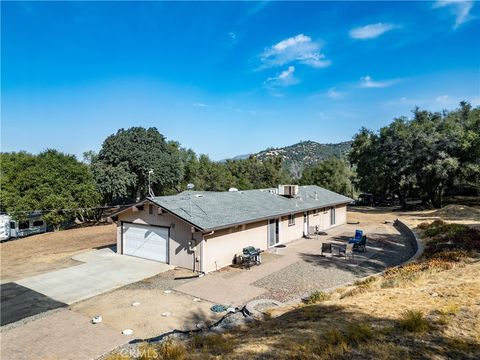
(202, 251)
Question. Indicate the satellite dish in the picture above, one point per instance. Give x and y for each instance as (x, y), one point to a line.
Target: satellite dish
(190, 186)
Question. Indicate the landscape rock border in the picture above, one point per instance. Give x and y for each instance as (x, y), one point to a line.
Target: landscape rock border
(250, 310)
(412, 237)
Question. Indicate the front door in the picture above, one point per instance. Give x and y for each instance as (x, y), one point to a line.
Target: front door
(273, 232)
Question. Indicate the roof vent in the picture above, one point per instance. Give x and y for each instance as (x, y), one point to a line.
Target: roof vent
(233, 189)
(288, 190)
(198, 195)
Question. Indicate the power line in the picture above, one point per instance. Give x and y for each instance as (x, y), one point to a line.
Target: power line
(72, 209)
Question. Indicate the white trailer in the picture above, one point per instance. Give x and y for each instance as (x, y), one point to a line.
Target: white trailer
(4, 227)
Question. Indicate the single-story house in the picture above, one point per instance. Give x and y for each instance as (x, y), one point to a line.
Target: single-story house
(204, 230)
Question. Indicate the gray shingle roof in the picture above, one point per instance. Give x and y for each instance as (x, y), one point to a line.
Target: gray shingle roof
(209, 210)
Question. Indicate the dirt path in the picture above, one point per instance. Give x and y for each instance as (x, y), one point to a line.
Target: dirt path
(51, 251)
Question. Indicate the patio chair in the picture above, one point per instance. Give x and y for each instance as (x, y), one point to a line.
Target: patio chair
(361, 245)
(358, 236)
(347, 250)
(326, 247)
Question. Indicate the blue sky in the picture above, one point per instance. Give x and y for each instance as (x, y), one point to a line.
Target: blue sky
(228, 78)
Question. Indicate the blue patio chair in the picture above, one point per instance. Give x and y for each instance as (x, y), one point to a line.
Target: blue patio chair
(358, 236)
(361, 245)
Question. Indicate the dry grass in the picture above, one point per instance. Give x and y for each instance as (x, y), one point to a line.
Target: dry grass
(50, 251)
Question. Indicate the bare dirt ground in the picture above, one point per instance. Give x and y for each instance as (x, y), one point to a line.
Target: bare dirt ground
(148, 318)
(50, 251)
(452, 213)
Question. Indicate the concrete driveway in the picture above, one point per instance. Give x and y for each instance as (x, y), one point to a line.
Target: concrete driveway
(19, 302)
(103, 270)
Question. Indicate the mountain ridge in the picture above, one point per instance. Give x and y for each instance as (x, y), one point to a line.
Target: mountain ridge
(302, 154)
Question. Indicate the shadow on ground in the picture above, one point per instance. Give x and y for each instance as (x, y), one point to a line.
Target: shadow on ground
(390, 250)
(19, 302)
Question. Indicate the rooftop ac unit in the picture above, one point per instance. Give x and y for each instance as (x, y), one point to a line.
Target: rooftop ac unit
(288, 190)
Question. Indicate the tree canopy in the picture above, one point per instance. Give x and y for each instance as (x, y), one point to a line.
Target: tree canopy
(121, 168)
(333, 174)
(50, 180)
(423, 156)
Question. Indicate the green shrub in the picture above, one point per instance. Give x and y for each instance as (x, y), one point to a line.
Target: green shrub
(316, 296)
(334, 336)
(414, 321)
(359, 332)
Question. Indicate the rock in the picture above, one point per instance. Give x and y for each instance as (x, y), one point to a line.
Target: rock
(135, 303)
(196, 300)
(166, 313)
(200, 325)
(167, 291)
(434, 294)
(231, 309)
(127, 332)
(96, 319)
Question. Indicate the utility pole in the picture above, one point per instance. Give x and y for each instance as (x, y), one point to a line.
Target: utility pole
(150, 191)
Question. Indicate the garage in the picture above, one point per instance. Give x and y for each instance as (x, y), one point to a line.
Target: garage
(148, 242)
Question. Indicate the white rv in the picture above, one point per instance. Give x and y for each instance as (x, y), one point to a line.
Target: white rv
(33, 224)
(4, 227)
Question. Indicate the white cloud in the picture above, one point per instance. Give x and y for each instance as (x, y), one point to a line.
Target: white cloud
(371, 31)
(461, 10)
(200, 105)
(334, 94)
(232, 35)
(368, 82)
(297, 49)
(444, 100)
(285, 78)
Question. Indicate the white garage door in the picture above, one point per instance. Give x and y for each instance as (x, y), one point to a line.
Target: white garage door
(147, 242)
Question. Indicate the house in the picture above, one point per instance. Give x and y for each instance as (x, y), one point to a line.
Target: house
(204, 230)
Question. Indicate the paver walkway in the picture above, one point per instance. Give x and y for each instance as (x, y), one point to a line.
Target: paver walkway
(237, 289)
(63, 335)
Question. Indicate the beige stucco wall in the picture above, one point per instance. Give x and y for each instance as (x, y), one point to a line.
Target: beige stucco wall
(180, 233)
(291, 232)
(341, 214)
(221, 247)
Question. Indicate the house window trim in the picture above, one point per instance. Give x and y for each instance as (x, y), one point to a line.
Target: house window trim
(291, 220)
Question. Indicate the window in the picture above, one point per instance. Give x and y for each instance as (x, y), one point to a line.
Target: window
(291, 220)
(23, 225)
(38, 223)
(150, 209)
(332, 216)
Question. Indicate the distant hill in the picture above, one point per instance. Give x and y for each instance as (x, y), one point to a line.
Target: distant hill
(297, 156)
